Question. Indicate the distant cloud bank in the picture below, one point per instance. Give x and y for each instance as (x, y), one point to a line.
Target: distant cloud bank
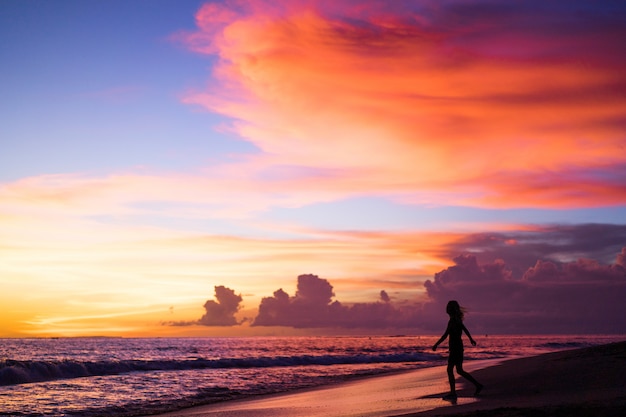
(575, 297)
(578, 296)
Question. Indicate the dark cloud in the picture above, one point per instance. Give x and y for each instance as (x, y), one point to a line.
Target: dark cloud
(221, 312)
(217, 313)
(557, 30)
(582, 296)
(544, 288)
(521, 250)
(312, 307)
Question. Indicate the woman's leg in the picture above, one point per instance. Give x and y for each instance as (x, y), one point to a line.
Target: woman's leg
(470, 378)
(451, 378)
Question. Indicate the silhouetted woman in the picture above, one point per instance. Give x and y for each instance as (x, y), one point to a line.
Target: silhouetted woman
(454, 331)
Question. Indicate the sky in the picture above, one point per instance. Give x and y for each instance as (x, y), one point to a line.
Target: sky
(253, 167)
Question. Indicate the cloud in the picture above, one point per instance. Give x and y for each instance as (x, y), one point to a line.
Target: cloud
(455, 97)
(313, 307)
(582, 296)
(520, 249)
(310, 307)
(221, 312)
(217, 313)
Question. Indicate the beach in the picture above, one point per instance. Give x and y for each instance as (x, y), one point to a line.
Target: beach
(582, 382)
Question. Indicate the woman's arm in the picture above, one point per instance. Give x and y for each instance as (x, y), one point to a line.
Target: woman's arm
(442, 338)
(472, 341)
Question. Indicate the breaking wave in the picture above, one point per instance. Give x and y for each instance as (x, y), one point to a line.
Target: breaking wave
(14, 372)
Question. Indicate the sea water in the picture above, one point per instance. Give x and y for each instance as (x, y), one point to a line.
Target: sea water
(133, 377)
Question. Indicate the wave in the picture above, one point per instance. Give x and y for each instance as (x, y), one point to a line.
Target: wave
(13, 372)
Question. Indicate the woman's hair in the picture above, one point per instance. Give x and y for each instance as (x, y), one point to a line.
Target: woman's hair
(455, 310)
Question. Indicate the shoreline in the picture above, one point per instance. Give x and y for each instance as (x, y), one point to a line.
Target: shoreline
(403, 391)
(586, 382)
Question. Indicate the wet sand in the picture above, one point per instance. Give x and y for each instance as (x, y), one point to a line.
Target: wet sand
(582, 382)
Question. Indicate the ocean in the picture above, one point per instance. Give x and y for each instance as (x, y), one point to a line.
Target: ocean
(134, 377)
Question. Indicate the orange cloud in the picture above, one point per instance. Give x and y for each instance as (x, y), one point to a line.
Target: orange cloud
(422, 101)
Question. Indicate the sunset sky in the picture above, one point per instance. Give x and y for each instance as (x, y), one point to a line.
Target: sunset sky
(256, 167)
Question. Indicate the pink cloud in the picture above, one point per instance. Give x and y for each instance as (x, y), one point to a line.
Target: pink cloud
(221, 191)
(424, 96)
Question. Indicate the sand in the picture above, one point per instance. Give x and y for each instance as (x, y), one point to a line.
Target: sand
(581, 383)
(578, 383)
